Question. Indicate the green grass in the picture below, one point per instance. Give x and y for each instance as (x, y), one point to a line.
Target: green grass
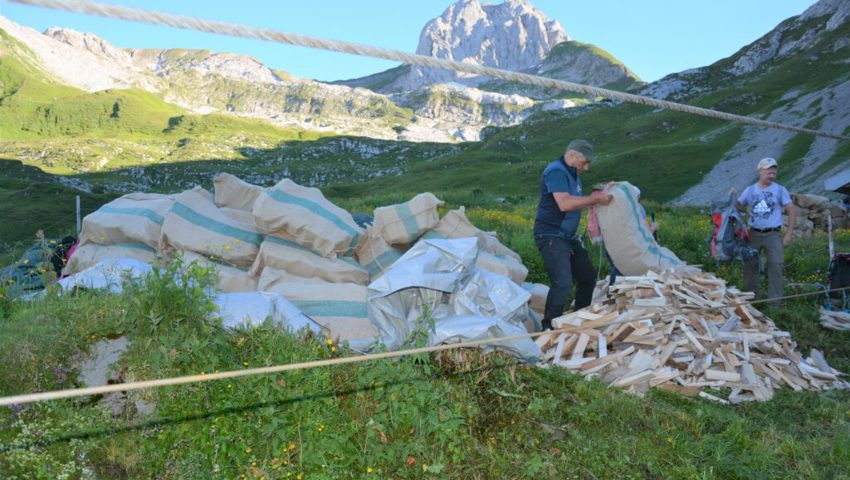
(470, 416)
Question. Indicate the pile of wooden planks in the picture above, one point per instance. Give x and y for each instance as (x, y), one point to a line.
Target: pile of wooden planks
(835, 320)
(683, 331)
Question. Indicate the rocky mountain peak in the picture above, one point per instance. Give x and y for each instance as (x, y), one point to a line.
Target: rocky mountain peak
(512, 35)
(91, 43)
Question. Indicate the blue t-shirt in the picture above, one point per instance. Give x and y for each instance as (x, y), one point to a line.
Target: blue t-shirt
(550, 220)
(765, 205)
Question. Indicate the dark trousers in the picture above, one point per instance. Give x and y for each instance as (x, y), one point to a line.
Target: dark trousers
(566, 261)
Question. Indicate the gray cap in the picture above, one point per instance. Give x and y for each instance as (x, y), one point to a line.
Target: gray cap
(583, 147)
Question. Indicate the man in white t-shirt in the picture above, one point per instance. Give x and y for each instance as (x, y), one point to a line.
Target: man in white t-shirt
(765, 201)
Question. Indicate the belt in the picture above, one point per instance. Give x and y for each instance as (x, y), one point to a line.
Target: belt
(765, 230)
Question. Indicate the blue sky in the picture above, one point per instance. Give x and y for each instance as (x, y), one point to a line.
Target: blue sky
(652, 37)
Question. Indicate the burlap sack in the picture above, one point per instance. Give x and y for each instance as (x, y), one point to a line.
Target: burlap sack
(502, 265)
(194, 223)
(228, 277)
(233, 192)
(133, 218)
(455, 225)
(297, 260)
(627, 236)
(91, 254)
(338, 307)
(305, 216)
(539, 292)
(375, 254)
(404, 223)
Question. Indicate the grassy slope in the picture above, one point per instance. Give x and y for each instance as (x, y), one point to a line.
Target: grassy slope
(419, 417)
(415, 418)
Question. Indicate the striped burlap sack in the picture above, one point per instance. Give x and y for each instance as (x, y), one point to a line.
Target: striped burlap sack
(91, 254)
(338, 307)
(233, 192)
(628, 239)
(194, 223)
(375, 254)
(229, 278)
(404, 223)
(133, 218)
(503, 265)
(304, 215)
(455, 225)
(286, 255)
(539, 292)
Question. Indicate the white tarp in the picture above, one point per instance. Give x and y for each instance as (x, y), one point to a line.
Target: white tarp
(437, 280)
(109, 274)
(464, 328)
(247, 309)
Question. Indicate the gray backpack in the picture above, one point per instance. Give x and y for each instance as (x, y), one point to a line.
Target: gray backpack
(730, 239)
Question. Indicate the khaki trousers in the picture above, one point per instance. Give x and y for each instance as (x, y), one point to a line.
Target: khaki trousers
(771, 242)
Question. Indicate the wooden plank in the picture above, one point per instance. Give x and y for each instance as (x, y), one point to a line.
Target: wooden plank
(559, 349)
(723, 375)
(711, 397)
(634, 379)
(691, 337)
(601, 346)
(581, 345)
(543, 341)
(626, 331)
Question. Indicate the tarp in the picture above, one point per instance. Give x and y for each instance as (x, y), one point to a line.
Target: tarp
(247, 309)
(108, 274)
(437, 281)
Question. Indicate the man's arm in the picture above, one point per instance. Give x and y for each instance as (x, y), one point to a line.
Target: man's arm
(568, 203)
(791, 210)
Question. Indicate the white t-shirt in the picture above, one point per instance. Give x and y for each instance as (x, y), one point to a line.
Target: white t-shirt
(765, 205)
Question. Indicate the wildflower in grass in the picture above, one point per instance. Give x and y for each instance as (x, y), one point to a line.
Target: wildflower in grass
(330, 342)
(244, 364)
(291, 446)
(368, 469)
(248, 450)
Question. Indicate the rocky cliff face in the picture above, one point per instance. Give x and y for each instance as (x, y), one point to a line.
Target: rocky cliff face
(808, 56)
(511, 35)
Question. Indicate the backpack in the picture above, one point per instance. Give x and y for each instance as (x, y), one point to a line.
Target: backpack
(730, 239)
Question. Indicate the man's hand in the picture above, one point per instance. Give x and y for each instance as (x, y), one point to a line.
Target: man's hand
(789, 236)
(601, 198)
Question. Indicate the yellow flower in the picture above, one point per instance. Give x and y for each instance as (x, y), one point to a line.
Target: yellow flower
(248, 450)
(298, 477)
(368, 469)
(330, 342)
(292, 446)
(253, 464)
(333, 349)
(244, 364)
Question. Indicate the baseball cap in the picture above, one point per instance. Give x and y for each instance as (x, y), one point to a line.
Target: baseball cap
(583, 147)
(767, 162)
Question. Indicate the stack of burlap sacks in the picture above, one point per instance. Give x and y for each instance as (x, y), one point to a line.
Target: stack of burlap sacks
(812, 214)
(287, 239)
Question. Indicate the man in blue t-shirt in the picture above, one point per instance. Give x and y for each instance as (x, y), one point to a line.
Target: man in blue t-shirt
(765, 201)
(555, 226)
